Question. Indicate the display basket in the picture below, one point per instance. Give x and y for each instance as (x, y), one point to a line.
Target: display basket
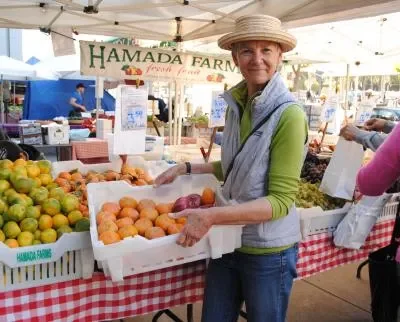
(71, 257)
(135, 255)
(316, 221)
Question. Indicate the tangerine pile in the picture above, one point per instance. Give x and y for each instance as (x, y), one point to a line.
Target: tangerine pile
(75, 182)
(129, 218)
(34, 209)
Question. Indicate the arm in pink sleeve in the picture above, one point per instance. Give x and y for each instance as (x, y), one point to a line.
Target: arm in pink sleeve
(378, 176)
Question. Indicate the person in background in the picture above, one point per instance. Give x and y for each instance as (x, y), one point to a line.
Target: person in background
(263, 149)
(372, 138)
(5, 89)
(162, 107)
(76, 101)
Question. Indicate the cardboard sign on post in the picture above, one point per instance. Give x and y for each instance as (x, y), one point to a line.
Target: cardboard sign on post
(130, 120)
(364, 113)
(218, 110)
(329, 109)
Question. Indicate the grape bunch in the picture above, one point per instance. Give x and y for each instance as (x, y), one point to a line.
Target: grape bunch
(309, 196)
(314, 168)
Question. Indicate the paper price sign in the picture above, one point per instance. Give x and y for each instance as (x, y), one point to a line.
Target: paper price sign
(134, 109)
(328, 114)
(363, 117)
(329, 110)
(218, 110)
(136, 119)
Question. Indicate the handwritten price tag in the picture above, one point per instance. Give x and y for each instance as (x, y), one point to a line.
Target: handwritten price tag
(218, 110)
(329, 110)
(363, 117)
(137, 119)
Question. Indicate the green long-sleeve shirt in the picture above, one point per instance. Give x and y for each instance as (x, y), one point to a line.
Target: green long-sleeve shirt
(286, 161)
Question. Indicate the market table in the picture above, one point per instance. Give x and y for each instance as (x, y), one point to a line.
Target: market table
(96, 150)
(63, 151)
(98, 299)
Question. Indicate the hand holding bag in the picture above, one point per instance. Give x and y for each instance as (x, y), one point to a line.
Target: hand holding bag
(339, 180)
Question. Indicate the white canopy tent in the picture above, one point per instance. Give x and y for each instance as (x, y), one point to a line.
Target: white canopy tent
(16, 70)
(176, 19)
(12, 69)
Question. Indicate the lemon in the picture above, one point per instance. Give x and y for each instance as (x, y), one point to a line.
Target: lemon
(48, 236)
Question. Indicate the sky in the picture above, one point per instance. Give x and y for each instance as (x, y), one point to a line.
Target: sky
(38, 44)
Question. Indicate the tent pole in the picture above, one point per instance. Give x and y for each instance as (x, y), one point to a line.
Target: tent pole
(346, 91)
(181, 108)
(1, 101)
(176, 111)
(170, 112)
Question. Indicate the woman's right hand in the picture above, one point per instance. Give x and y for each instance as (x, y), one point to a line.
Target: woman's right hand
(170, 175)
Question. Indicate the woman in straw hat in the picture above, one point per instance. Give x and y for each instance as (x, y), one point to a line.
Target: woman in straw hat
(262, 156)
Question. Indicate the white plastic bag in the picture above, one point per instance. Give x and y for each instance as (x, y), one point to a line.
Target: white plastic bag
(355, 227)
(340, 176)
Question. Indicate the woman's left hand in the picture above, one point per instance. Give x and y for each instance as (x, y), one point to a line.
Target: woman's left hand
(198, 224)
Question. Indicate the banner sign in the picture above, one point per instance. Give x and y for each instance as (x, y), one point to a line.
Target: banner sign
(218, 110)
(129, 62)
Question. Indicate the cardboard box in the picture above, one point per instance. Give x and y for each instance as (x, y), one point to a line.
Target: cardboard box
(30, 129)
(56, 134)
(35, 139)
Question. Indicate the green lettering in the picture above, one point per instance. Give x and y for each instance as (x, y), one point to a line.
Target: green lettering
(126, 54)
(178, 59)
(229, 66)
(167, 56)
(44, 253)
(218, 63)
(93, 56)
(196, 60)
(26, 257)
(149, 56)
(113, 54)
(205, 62)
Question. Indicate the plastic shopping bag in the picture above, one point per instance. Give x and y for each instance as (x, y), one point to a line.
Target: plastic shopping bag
(340, 176)
(355, 227)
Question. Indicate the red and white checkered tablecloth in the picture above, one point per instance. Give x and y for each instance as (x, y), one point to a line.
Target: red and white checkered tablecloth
(318, 254)
(90, 149)
(99, 299)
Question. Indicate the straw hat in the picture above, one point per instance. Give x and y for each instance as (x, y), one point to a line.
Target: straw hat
(258, 27)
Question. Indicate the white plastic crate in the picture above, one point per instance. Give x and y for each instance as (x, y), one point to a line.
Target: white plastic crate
(138, 254)
(71, 257)
(316, 221)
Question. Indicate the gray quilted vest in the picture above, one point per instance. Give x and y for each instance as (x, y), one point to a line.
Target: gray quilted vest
(248, 178)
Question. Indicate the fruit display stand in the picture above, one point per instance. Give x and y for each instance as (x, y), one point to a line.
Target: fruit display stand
(134, 255)
(100, 299)
(70, 258)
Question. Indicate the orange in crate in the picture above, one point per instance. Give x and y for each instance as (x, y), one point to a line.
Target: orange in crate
(109, 237)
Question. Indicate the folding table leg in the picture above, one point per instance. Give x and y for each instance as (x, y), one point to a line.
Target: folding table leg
(189, 313)
(360, 267)
(168, 313)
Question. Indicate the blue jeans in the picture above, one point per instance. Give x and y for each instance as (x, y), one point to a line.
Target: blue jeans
(263, 282)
